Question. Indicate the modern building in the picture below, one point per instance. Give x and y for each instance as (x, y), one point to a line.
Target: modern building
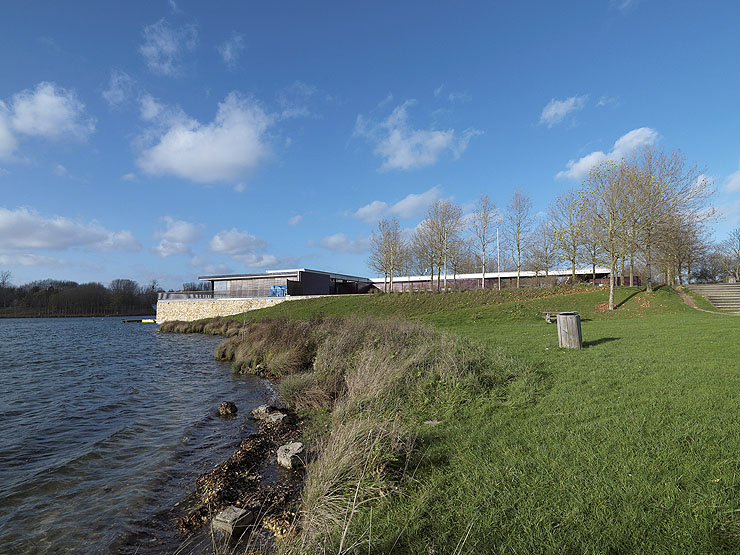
(279, 283)
(506, 279)
(236, 293)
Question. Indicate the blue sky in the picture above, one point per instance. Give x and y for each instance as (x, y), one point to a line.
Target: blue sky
(165, 140)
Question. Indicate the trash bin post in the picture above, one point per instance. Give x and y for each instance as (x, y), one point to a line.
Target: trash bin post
(569, 330)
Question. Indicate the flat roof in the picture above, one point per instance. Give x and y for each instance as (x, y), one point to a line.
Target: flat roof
(283, 273)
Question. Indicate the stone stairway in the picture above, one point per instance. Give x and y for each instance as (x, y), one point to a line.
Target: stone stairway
(724, 296)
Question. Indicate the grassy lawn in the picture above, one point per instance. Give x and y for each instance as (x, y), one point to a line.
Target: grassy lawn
(629, 445)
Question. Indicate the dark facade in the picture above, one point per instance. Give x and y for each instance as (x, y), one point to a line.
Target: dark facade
(286, 282)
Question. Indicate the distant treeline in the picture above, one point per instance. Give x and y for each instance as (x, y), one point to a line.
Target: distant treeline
(51, 297)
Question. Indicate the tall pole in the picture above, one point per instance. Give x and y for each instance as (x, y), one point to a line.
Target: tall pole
(498, 256)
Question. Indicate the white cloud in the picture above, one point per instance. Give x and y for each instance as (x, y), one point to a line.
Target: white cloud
(25, 229)
(231, 49)
(556, 110)
(29, 260)
(225, 149)
(8, 142)
(177, 237)
(294, 100)
(402, 147)
(372, 212)
(119, 89)
(732, 183)
(295, 220)
(236, 243)
(240, 188)
(623, 147)
(60, 170)
(128, 177)
(624, 5)
(266, 260)
(411, 205)
(51, 112)
(339, 242)
(164, 47)
(414, 204)
(605, 100)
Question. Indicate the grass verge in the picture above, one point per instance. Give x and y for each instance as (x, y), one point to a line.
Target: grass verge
(629, 445)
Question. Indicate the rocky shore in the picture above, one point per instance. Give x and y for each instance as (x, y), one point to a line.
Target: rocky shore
(251, 483)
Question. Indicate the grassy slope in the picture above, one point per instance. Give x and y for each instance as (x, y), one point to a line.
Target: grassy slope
(630, 445)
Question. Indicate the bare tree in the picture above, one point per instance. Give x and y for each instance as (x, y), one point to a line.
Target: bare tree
(386, 250)
(569, 227)
(5, 276)
(446, 222)
(729, 250)
(481, 224)
(423, 251)
(667, 186)
(544, 253)
(518, 228)
(605, 195)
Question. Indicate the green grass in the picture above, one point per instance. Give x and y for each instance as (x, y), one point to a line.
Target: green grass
(700, 300)
(631, 445)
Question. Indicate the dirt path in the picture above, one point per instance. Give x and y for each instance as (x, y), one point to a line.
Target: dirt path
(689, 301)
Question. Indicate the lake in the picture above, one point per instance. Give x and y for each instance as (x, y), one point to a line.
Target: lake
(105, 427)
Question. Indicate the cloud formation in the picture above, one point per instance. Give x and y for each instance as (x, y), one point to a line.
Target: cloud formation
(164, 47)
(47, 111)
(401, 147)
(234, 143)
(177, 237)
(246, 248)
(623, 147)
(24, 229)
(120, 88)
(555, 111)
(411, 205)
(732, 183)
(231, 49)
(8, 141)
(339, 242)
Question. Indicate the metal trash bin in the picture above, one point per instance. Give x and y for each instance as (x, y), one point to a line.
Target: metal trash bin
(569, 330)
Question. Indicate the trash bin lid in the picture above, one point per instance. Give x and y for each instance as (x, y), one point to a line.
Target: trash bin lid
(568, 314)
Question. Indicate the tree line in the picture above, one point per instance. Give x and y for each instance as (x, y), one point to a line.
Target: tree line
(51, 297)
(642, 216)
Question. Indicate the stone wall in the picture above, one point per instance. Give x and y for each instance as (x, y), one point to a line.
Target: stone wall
(195, 309)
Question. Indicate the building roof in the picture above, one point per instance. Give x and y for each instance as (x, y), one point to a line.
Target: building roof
(494, 275)
(283, 273)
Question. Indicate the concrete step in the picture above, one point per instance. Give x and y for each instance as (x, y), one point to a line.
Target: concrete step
(723, 296)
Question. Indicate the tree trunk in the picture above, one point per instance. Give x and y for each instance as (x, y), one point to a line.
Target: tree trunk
(483, 279)
(648, 266)
(612, 269)
(632, 270)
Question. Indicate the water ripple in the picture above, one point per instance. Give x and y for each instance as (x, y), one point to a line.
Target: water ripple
(105, 425)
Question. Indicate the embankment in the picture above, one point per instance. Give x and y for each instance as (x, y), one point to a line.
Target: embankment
(371, 391)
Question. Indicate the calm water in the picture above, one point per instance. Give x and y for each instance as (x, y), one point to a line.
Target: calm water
(103, 427)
